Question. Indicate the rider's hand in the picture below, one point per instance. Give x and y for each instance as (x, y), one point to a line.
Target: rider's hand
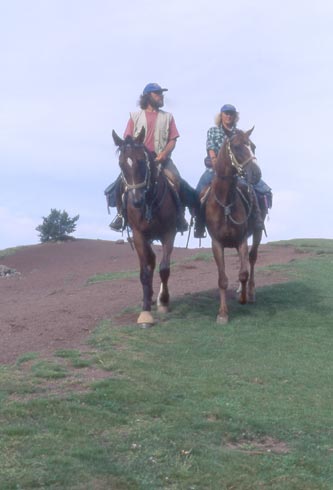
(161, 157)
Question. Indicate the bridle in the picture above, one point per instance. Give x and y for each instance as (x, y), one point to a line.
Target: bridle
(145, 183)
(239, 166)
(149, 186)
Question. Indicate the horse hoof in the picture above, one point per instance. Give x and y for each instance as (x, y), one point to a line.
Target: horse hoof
(222, 319)
(162, 309)
(145, 325)
(145, 319)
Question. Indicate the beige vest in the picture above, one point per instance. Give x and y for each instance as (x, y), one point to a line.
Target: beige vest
(161, 134)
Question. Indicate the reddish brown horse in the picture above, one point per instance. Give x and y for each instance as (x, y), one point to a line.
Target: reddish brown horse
(151, 212)
(228, 216)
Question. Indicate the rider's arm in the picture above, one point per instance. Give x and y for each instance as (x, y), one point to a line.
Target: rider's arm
(164, 155)
(211, 145)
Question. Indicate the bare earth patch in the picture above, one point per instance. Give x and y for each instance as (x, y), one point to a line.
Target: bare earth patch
(47, 304)
(262, 446)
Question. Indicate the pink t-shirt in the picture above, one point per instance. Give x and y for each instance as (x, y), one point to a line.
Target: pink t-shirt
(151, 120)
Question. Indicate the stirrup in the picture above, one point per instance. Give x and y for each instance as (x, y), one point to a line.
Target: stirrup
(117, 223)
(199, 228)
(199, 233)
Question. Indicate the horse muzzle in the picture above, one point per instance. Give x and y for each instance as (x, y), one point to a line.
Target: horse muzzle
(137, 198)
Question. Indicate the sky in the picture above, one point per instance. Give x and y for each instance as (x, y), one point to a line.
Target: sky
(73, 70)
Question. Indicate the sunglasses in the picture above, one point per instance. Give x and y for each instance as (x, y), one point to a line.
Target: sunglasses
(229, 113)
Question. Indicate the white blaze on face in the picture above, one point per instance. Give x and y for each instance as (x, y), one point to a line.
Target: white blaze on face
(130, 162)
(251, 154)
(250, 150)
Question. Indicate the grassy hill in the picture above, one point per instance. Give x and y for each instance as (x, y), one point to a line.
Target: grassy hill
(188, 405)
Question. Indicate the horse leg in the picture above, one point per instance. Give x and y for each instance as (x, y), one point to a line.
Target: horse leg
(218, 251)
(253, 259)
(163, 296)
(147, 266)
(243, 254)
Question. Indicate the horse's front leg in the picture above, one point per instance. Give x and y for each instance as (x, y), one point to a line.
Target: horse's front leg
(218, 251)
(147, 267)
(243, 254)
(163, 298)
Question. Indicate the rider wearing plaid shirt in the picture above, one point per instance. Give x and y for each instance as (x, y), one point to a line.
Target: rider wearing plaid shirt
(226, 122)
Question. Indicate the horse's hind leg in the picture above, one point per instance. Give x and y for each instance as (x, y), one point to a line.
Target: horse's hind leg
(223, 314)
(163, 298)
(253, 259)
(243, 271)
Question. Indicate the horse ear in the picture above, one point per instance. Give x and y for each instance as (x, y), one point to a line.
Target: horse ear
(249, 132)
(117, 139)
(141, 136)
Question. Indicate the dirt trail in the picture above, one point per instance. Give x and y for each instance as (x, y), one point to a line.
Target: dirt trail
(47, 304)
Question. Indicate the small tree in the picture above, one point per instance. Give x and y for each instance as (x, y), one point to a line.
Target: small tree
(57, 226)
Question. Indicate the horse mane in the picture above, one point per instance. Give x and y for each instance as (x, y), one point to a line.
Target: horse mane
(128, 139)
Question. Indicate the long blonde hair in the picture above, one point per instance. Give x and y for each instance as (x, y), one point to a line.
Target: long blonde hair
(218, 119)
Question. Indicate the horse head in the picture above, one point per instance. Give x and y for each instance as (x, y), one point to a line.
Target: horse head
(135, 163)
(240, 150)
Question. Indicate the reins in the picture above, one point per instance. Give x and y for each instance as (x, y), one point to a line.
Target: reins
(240, 172)
(235, 163)
(227, 208)
(147, 184)
(140, 185)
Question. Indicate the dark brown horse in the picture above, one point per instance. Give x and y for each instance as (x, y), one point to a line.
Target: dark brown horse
(228, 216)
(151, 212)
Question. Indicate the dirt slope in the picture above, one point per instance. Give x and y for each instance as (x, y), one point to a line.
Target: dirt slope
(48, 304)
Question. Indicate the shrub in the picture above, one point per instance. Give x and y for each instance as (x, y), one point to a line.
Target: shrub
(57, 226)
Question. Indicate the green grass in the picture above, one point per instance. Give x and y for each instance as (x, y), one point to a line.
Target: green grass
(112, 276)
(318, 246)
(9, 251)
(187, 404)
(202, 256)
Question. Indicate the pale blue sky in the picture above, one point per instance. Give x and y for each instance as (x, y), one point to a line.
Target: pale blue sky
(71, 71)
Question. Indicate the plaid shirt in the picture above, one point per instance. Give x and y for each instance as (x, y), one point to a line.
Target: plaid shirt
(216, 136)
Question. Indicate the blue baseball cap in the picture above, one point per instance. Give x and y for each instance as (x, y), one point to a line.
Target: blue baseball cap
(228, 107)
(153, 87)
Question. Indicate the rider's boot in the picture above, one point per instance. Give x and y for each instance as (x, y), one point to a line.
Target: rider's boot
(181, 224)
(199, 226)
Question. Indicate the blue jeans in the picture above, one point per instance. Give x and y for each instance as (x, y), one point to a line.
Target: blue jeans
(205, 180)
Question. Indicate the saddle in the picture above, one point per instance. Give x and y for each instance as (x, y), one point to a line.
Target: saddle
(174, 185)
(120, 197)
(263, 192)
(172, 180)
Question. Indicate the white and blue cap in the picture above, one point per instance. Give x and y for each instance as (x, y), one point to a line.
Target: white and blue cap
(153, 87)
(228, 108)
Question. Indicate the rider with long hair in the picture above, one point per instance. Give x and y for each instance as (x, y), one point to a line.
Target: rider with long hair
(225, 127)
(161, 136)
